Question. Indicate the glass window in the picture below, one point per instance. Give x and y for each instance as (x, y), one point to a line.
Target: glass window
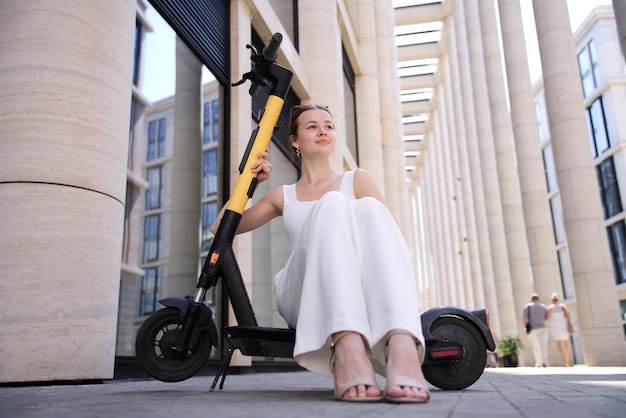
(215, 120)
(161, 139)
(207, 124)
(211, 122)
(540, 132)
(622, 308)
(152, 238)
(557, 220)
(137, 51)
(550, 169)
(209, 173)
(609, 188)
(152, 138)
(209, 213)
(150, 285)
(567, 280)
(595, 68)
(155, 189)
(156, 139)
(589, 69)
(350, 107)
(596, 121)
(586, 76)
(617, 244)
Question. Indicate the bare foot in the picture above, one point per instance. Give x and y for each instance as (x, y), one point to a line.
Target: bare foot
(403, 360)
(351, 364)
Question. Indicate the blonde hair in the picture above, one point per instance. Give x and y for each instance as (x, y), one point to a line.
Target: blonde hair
(554, 297)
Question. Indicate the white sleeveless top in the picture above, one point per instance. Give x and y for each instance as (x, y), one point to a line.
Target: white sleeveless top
(295, 212)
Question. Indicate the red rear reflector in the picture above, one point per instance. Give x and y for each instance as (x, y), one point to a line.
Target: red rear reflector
(444, 353)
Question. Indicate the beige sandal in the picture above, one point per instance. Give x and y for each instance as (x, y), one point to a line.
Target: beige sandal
(404, 380)
(367, 381)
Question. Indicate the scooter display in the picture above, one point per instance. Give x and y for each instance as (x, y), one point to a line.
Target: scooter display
(175, 342)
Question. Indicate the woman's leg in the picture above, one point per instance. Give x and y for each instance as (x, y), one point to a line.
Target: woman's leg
(391, 300)
(320, 294)
(563, 346)
(388, 279)
(353, 372)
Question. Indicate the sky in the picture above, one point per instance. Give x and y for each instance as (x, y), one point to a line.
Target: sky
(160, 74)
(578, 12)
(160, 51)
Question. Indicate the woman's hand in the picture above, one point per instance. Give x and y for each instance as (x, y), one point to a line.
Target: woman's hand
(262, 166)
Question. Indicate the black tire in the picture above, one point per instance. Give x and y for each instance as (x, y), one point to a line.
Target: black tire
(153, 348)
(465, 371)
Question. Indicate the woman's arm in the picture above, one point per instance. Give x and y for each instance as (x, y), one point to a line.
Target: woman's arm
(365, 186)
(565, 313)
(267, 208)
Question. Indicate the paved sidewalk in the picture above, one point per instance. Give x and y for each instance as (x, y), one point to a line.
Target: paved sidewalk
(576, 392)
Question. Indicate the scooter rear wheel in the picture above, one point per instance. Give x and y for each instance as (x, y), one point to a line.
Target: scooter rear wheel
(155, 352)
(465, 371)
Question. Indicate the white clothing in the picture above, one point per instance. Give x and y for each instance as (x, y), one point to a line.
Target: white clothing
(558, 323)
(350, 270)
(539, 339)
(536, 313)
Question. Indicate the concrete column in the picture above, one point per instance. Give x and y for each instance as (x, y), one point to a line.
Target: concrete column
(452, 83)
(186, 174)
(396, 183)
(65, 94)
(367, 98)
(320, 51)
(241, 126)
(389, 91)
(545, 277)
(598, 312)
(461, 248)
(513, 210)
(619, 9)
(475, 179)
(425, 287)
(432, 219)
(455, 253)
(435, 153)
(489, 168)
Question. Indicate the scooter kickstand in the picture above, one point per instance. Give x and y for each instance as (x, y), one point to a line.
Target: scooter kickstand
(223, 369)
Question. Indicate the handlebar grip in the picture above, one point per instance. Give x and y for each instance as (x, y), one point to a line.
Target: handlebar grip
(270, 52)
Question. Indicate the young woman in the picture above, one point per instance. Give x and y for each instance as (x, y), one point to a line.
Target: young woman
(560, 327)
(348, 287)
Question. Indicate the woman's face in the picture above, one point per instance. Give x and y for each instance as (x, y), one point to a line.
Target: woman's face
(315, 135)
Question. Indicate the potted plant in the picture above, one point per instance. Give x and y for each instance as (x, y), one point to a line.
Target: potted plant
(508, 348)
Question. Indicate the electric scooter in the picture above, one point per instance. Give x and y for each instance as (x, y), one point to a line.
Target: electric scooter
(175, 342)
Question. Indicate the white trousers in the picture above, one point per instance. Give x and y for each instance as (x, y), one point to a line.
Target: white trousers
(539, 339)
(350, 271)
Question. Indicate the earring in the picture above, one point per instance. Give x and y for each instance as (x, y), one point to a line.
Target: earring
(298, 153)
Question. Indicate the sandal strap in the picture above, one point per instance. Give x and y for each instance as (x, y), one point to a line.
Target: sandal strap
(418, 343)
(403, 381)
(335, 338)
(407, 381)
(363, 380)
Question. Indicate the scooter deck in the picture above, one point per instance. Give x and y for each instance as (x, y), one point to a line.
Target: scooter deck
(261, 341)
(255, 341)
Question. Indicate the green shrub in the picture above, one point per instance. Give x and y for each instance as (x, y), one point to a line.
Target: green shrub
(509, 345)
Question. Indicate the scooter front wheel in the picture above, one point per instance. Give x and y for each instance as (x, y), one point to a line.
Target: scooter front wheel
(466, 370)
(154, 348)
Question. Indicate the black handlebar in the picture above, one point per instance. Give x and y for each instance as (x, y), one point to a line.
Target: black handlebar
(270, 52)
(265, 72)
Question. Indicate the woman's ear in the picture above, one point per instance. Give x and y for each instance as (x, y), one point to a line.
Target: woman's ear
(293, 141)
